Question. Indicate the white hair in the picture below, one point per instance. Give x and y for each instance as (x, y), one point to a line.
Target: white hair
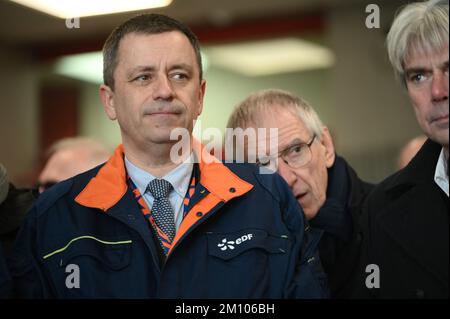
(250, 110)
(420, 27)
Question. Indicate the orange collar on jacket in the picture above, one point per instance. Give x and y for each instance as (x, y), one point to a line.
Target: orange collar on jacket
(110, 185)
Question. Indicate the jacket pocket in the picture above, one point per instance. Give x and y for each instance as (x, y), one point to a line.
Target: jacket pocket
(113, 254)
(227, 246)
(90, 267)
(248, 263)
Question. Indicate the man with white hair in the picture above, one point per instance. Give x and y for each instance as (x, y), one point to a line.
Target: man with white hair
(407, 221)
(326, 187)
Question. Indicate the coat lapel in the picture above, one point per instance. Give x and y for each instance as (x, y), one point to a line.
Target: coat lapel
(417, 218)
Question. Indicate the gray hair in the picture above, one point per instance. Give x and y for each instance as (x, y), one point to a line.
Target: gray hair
(420, 27)
(249, 111)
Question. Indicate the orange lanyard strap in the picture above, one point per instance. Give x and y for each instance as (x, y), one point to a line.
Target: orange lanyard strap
(164, 240)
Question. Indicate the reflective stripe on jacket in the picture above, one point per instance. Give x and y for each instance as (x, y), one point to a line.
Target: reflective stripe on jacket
(244, 237)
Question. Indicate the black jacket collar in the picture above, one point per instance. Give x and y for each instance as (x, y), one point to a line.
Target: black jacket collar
(421, 169)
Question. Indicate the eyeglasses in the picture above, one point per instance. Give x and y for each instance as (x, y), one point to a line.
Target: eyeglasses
(296, 156)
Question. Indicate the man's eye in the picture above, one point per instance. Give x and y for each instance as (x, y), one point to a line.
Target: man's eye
(179, 76)
(295, 150)
(142, 78)
(417, 78)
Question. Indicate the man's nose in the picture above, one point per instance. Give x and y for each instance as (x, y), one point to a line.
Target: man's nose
(439, 87)
(162, 90)
(286, 172)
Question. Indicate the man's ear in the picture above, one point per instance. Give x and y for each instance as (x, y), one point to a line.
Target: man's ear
(327, 142)
(107, 97)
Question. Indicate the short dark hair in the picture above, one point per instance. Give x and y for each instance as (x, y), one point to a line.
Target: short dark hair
(143, 24)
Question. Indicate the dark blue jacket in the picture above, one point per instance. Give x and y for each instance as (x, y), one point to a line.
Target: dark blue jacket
(89, 232)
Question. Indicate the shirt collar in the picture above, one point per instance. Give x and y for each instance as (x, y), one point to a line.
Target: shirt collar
(179, 177)
(109, 185)
(440, 175)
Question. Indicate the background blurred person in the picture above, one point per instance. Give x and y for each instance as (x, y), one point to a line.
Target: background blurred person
(69, 157)
(14, 204)
(66, 158)
(410, 150)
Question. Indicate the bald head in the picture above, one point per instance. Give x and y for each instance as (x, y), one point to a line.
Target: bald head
(70, 157)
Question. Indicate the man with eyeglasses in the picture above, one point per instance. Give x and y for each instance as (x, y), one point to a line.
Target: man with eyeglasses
(326, 187)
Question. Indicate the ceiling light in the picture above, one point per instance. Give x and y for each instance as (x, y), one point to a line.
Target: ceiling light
(82, 8)
(269, 57)
(86, 67)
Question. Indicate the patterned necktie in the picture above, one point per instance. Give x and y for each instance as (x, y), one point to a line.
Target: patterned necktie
(162, 209)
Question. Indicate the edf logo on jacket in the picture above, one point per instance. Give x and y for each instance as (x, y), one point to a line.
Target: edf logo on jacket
(225, 244)
(245, 226)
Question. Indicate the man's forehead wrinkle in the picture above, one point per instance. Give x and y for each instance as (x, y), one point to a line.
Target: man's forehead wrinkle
(290, 128)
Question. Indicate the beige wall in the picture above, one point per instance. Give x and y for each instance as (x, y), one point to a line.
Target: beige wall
(224, 90)
(93, 119)
(371, 117)
(18, 114)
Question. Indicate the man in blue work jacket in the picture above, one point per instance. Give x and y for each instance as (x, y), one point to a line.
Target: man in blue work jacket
(145, 226)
